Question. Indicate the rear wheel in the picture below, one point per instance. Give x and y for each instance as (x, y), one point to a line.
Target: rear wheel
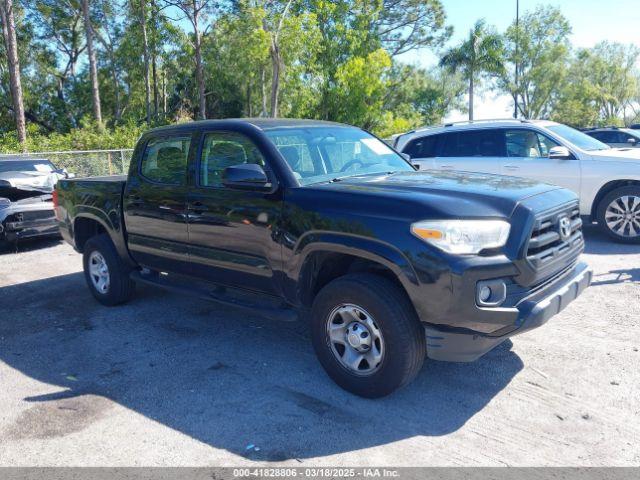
(106, 274)
(619, 214)
(366, 335)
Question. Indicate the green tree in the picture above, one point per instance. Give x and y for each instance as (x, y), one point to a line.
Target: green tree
(539, 48)
(477, 57)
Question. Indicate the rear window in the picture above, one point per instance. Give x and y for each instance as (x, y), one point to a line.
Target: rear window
(165, 160)
(422, 147)
(472, 143)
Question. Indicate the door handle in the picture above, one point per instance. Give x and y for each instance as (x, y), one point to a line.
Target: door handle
(197, 207)
(446, 167)
(511, 166)
(135, 200)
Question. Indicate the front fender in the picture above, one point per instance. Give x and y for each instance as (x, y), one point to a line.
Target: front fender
(349, 244)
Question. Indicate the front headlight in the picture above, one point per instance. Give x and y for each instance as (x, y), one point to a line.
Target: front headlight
(463, 236)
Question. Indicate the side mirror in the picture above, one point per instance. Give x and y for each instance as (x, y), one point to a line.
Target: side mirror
(632, 141)
(406, 156)
(560, 153)
(245, 176)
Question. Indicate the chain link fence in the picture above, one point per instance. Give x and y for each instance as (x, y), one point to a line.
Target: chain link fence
(84, 163)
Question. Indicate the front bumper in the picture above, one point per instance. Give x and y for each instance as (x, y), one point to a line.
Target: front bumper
(458, 345)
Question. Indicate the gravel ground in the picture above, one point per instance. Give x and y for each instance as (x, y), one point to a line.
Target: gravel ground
(173, 381)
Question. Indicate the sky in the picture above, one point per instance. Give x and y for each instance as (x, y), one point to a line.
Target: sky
(592, 21)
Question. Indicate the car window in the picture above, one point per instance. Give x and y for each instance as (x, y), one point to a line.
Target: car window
(43, 166)
(422, 147)
(225, 149)
(577, 138)
(297, 154)
(325, 153)
(545, 144)
(528, 144)
(473, 143)
(165, 160)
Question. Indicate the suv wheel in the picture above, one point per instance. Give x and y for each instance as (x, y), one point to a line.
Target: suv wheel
(366, 335)
(619, 214)
(106, 274)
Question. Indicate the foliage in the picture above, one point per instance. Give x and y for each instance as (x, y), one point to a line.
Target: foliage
(326, 59)
(477, 57)
(539, 48)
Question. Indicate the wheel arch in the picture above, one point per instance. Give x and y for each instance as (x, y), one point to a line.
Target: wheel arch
(331, 256)
(606, 189)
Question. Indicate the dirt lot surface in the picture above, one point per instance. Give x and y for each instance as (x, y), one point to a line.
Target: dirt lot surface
(166, 380)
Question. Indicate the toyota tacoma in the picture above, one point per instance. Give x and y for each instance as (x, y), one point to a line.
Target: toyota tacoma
(302, 220)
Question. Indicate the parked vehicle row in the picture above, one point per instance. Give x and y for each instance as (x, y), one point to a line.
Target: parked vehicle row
(616, 137)
(26, 207)
(294, 218)
(607, 180)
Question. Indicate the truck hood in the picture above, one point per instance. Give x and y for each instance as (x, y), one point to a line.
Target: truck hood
(631, 155)
(461, 194)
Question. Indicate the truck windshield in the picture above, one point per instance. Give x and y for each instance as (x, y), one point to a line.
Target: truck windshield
(320, 154)
(577, 138)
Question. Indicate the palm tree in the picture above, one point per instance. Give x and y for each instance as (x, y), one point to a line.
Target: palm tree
(480, 54)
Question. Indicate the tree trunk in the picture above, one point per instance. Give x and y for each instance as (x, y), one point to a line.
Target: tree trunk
(145, 52)
(276, 64)
(263, 87)
(202, 114)
(15, 83)
(93, 68)
(116, 89)
(164, 92)
(471, 96)
(156, 104)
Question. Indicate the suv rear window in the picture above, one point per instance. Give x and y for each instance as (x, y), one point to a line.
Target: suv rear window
(422, 147)
(472, 143)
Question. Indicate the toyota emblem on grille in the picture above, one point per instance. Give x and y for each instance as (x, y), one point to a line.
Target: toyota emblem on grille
(565, 227)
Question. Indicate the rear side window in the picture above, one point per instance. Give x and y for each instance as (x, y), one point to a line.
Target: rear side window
(472, 143)
(165, 160)
(225, 149)
(422, 147)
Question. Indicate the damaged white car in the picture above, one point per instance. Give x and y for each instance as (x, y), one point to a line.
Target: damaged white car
(26, 206)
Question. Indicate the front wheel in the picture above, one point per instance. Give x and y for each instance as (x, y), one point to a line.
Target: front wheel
(106, 274)
(366, 335)
(619, 214)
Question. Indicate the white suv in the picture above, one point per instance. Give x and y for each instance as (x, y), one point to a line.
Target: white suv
(606, 179)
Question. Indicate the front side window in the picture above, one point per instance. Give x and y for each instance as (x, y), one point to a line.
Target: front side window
(225, 149)
(319, 154)
(165, 160)
(528, 144)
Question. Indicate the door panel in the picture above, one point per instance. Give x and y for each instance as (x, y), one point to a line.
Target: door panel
(527, 156)
(155, 205)
(231, 231)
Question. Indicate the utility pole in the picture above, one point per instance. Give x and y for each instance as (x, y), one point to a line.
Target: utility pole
(515, 112)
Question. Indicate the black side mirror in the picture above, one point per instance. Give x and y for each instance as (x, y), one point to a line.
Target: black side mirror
(245, 176)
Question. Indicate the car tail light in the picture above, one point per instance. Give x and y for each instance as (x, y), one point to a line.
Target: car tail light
(54, 198)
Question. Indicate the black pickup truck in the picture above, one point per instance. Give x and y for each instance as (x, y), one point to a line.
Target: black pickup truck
(324, 223)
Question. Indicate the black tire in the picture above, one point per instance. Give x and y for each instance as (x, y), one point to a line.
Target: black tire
(631, 190)
(396, 319)
(121, 287)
